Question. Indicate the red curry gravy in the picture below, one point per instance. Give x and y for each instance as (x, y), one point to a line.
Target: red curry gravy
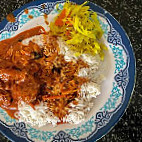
(32, 74)
(13, 71)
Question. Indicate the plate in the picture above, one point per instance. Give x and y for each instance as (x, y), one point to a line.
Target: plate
(116, 89)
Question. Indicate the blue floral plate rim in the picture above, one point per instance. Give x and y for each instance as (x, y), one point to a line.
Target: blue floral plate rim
(132, 66)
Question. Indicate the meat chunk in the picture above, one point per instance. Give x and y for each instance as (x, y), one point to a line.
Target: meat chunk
(26, 91)
(12, 75)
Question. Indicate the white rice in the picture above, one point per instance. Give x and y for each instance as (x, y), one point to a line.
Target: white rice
(38, 39)
(68, 54)
(39, 116)
(89, 91)
(78, 112)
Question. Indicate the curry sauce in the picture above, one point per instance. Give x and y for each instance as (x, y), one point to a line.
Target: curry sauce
(32, 74)
(15, 80)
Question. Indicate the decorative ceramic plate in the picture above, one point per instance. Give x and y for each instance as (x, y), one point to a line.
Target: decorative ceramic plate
(116, 89)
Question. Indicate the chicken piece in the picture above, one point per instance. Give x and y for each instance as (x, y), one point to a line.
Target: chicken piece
(12, 75)
(26, 91)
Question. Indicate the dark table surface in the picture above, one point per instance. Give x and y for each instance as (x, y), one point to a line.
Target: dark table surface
(129, 14)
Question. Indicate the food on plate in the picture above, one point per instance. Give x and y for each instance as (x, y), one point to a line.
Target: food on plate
(10, 18)
(80, 28)
(52, 77)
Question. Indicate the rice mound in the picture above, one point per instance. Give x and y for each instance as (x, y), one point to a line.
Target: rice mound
(41, 115)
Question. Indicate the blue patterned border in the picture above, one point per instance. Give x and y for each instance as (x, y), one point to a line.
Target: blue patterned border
(102, 121)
